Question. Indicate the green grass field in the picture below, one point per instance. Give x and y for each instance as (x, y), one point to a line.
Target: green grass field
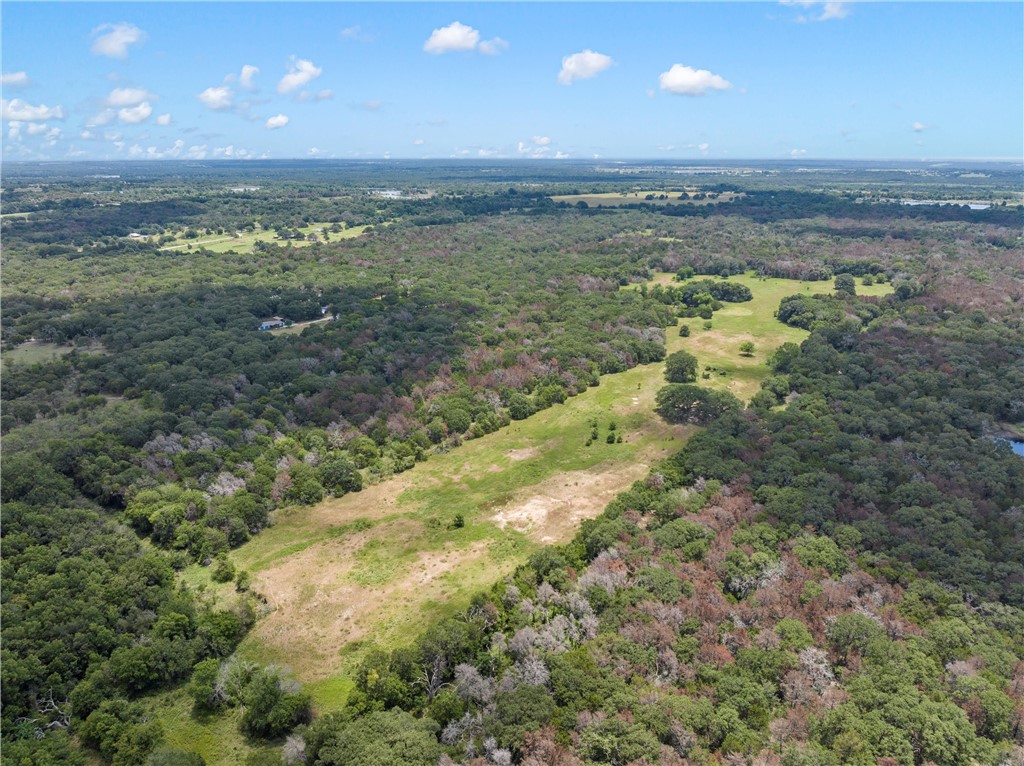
(753, 321)
(34, 351)
(241, 244)
(371, 569)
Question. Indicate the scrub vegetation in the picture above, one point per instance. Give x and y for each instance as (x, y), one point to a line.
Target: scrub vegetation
(548, 483)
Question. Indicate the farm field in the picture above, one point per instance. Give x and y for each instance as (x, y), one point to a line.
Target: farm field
(370, 569)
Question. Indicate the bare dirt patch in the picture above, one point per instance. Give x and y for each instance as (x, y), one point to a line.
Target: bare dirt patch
(522, 454)
(550, 512)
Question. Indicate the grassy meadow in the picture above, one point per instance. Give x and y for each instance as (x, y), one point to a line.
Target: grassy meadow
(223, 243)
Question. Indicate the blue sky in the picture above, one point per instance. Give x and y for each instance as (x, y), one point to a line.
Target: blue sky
(533, 80)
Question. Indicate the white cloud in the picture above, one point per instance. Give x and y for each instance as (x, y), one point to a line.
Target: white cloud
(372, 106)
(35, 128)
(459, 37)
(14, 79)
(14, 130)
(538, 148)
(454, 37)
(583, 65)
(103, 118)
(127, 96)
(196, 152)
(797, 153)
(687, 81)
(561, 156)
(919, 127)
(163, 119)
(277, 121)
(135, 114)
(418, 142)
(834, 10)
(355, 34)
(220, 97)
(492, 47)
(314, 152)
(16, 109)
(300, 72)
(830, 9)
(666, 148)
(248, 72)
(88, 135)
(704, 148)
(113, 39)
(325, 95)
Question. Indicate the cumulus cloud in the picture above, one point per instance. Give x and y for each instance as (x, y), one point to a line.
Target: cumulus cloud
(454, 37)
(127, 96)
(219, 97)
(300, 72)
(16, 109)
(163, 119)
(687, 81)
(35, 128)
(919, 127)
(355, 34)
(112, 40)
(492, 47)
(538, 148)
(135, 114)
(277, 121)
(325, 95)
(418, 142)
(14, 79)
(820, 10)
(458, 37)
(88, 135)
(103, 118)
(248, 72)
(583, 65)
(703, 148)
(561, 156)
(797, 153)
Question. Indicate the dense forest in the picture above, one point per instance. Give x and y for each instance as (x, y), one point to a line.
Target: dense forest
(830, 573)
